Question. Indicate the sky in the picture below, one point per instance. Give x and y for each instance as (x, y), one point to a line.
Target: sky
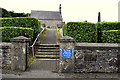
(72, 10)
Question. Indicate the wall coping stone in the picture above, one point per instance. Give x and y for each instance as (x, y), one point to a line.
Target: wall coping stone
(20, 39)
(5, 45)
(67, 39)
(98, 44)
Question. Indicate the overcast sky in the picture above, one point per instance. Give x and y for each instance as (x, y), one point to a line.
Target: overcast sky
(72, 10)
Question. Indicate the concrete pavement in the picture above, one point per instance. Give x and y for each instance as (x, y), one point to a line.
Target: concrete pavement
(50, 37)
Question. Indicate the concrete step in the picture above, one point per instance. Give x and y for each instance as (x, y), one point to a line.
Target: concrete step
(47, 56)
(47, 45)
(48, 50)
(47, 59)
(47, 53)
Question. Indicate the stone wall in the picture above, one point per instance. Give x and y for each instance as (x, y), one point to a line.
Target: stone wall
(97, 57)
(5, 52)
(14, 54)
(89, 57)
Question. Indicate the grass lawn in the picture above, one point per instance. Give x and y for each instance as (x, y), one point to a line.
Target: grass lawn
(48, 29)
(58, 35)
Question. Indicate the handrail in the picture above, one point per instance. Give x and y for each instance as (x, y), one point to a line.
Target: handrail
(35, 42)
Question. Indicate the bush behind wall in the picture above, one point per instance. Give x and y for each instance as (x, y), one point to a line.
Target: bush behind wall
(11, 32)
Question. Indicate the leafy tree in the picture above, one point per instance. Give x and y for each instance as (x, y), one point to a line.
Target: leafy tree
(6, 13)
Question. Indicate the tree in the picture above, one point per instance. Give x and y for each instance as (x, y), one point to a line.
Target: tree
(6, 13)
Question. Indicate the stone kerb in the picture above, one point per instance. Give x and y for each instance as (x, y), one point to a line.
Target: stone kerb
(66, 63)
(19, 53)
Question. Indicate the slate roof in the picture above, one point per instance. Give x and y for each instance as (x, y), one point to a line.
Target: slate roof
(46, 15)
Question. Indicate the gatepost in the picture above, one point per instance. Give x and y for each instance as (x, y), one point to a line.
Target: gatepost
(67, 45)
(19, 53)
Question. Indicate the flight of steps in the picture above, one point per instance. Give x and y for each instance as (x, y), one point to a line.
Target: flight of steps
(47, 52)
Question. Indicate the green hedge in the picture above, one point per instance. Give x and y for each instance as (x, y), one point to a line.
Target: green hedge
(89, 32)
(28, 22)
(11, 32)
(65, 29)
(110, 36)
(81, 31)
(108, 25)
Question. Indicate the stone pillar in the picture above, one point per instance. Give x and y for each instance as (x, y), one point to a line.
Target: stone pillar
(66, 59)
(19, 53)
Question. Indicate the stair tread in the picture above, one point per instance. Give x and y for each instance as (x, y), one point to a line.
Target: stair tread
(48, 44)
(47, 55)
(47, 50)
(46, 59)
(49, 47)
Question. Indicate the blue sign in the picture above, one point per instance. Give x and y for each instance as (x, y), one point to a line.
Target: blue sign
(66, 52)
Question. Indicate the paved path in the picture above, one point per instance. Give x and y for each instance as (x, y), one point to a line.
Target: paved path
(45, 69)
(44, 65)
(50, 37)
(39, 69)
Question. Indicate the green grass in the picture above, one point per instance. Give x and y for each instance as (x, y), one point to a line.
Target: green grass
(43, 36)
(48, 29)
(58, 35)
(58, 29)
(30, 59)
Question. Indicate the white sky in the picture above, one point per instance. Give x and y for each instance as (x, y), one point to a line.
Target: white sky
(72, 10)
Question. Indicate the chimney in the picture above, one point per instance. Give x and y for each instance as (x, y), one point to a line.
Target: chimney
(60, 8)
(99, 17)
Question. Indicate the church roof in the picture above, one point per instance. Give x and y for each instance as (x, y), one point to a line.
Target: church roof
(46, 15)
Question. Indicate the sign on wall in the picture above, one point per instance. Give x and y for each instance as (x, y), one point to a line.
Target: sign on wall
(66, 52)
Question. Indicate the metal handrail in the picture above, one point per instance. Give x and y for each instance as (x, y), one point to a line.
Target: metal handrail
(35, 42)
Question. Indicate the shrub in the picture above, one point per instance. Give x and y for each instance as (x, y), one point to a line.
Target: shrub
(89, 32)
(110, 36)
(108, 26)
(11, 32)
(65, 29)
(105, 26)
(25, 22)
(81, 31)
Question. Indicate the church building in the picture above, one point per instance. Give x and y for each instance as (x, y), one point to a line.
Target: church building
(52, 19)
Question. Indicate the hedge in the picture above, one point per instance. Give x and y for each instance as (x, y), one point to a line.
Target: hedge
(81, 31)
(110, 36)
(65, 29)
(108, 26)
(28, 22)
(89, 32)
(11, 32)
